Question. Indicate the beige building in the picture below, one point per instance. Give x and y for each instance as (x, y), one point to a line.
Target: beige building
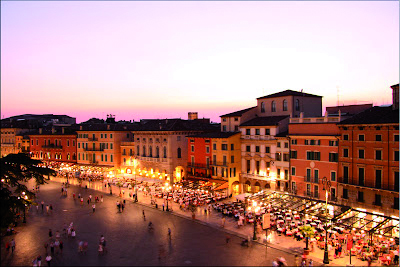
(12, 141)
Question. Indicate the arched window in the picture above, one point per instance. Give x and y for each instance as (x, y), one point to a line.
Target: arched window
(262, 107)
(297, 105)
(165, 152)
(157, 152)
(68, 156)
(150, 151)
(137, 152)
(74, 156)
(273, 106)
(144, 151)
(179, 153)
(284, 105)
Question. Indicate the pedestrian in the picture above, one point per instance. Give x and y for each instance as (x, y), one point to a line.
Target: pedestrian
(223, 222)
(42, 205)
(101, 199)
(58, 235)
(39, 260)
(48, 259)
(34, 262)
(122, 206)
(46, 245)
(57, 245)
(52, 248)
(51, 208)
(80, 246)
(79, 195)
(88, 200)
(297, 260)
(94, 207)
(47, 209)
(81, 201)
(163, 206)
(100, 249)
(144, 216)
(85, 247)
(37, 208)
(73, 233)
(61, 246)
(227, 238)
(12, 244)
(169, 233)
(50, 233)
(73, 195)
(8, 246)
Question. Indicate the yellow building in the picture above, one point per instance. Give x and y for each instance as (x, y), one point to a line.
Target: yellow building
(10, 138)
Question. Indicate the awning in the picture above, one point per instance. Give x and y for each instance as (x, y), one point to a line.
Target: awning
(221, 187)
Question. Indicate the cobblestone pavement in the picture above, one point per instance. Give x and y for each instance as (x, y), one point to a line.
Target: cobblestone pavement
(129, 242)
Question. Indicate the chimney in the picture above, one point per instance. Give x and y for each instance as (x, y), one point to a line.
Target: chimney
(395, 96)
(192, 116)
(108, 126)
(80, 127)
(63, 130)
(53, 130)
(40, 130)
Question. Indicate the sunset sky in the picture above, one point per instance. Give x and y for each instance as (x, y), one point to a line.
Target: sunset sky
(142, 60)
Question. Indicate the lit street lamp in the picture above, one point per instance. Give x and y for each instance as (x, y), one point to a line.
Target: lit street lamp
(327, 185)
(135, 164)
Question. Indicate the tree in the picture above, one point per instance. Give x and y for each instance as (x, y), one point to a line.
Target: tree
(308, 232)
(15, 171)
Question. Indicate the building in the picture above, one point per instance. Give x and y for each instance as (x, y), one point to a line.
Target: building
(282, 162)
(35, 121)
(161, 146)
(54, 144)
(12, 140)
(215, 158)
(230, 122)
(369, 160)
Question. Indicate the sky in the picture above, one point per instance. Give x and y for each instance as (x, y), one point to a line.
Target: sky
(148, 60)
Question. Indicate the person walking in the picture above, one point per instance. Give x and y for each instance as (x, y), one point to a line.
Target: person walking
(48, 259)
(39, 260)
(12, 244)
(81, 201)
(169, 233)
(223, 222)
(94, 207)
(122, 207)
(101, 199)
(144, 216)
(51, 209)
(52, 248)
(47, 209)
(50, 233)
(61, 247)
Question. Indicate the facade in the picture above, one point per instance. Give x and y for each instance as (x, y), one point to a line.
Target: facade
(282, 162)
(230, 122)
(53, 145)
(22, 143)
(12, 140)
(215, 158)
(127, 158)
(100, 144)
(161, 147)
(369, 161)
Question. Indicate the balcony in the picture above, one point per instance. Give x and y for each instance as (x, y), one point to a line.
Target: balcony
(52, 146)
(92, 139)
(311, 179)
(198, 165)
(368, 183)
(93, 149)
(223, 164)
(257, 137)
(198, 175)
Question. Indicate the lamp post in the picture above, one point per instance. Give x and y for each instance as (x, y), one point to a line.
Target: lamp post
(135, 164)
(168, 188)
(326, 186)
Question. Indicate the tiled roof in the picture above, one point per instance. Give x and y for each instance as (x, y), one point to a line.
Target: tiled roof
(177, 125)
(215, 135)
(237, 113)
(289, 93)
(282, 134)
(375, 115)
(264, 121)
(112, 127)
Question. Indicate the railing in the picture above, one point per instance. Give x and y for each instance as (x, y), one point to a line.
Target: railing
(93, 149)
(315, 119)
(368, 183)
(198, 175)
(311, 179)
(308, 193)
(93, 139)
(52, 146)
(258, 137)
(198, 165)
(224, 164)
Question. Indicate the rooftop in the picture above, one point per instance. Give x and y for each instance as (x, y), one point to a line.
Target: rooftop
(289, 93)
(238, 113)
(264, 121)
(215, 135)
(375, 115)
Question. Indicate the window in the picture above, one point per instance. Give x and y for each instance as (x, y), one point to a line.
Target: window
(150, 151)
(361, 176)
(224, 119)
(345, 193)
(378, 137)
(378, 179)
(396, 155)
(333, 157)
(207, 141)
(79, 145)
(137, 152)
(361, 153)
(247, 131)
(378, 200)
(111, 156)
(214, 159)
(285, 105)
(224, 146)
(73, 142)
(396, 181)
(306, 142)
(267, 132)
(286, 157)
(37, 142)
(247, 148)
(232, 159)
(294, 141)
(192, 148)
(345, 152)
(267, 149)
(224, 128)
(144, 151)
(262, 107)
(310, 155)
(178, 138)
(236, 128)
(361, 137)
(396, 138)
(248, 166)
(257, 148)
(214, 146)
(236, 119)
(333, 143)
(105, 136)
(378, 154)
(232, 147)
(279, 144)
(224, 160)
(101, 135)
(207, 149)
(360, 196)
(273, 106)
(308, 172)
(286, 144)
(257, 131)
(293, 171)
(278, 156)
(111, 145)
(346, 174)
(297, 105)
(333, 176)
(346, 137)
(105, 157)
(157, 152)
(293, 154)
(67, 142)
(179, 153)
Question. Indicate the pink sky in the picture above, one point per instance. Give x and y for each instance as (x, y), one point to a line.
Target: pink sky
(153, 59)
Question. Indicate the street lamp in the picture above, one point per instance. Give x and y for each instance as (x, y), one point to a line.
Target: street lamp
(168, 188)
(135, 164)
(326, 186)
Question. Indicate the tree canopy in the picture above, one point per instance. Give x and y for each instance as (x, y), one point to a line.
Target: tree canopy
(15, 171)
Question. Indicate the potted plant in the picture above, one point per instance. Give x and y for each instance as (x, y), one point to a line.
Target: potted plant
(308, 232)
